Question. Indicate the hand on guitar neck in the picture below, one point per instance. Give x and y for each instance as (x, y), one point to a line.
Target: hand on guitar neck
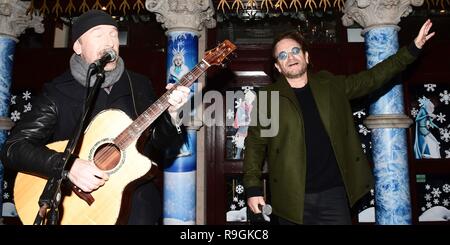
(177, 99)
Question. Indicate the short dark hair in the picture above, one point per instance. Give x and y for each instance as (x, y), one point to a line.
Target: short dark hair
(294, 35)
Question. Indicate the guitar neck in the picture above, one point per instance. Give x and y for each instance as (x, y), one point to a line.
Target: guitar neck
(134, 131)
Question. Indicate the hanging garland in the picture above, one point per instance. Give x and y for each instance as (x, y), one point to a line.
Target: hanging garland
(71, 7)
(296, 5)
(74, 7)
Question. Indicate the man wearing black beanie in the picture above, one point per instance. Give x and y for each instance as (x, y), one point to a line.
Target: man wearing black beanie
(57, 111)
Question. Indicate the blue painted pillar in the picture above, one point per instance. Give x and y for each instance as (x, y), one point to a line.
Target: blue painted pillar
(389, 146)
(7, 48)
(179, 206)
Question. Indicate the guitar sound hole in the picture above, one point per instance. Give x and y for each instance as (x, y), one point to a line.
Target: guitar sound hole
(107, 156)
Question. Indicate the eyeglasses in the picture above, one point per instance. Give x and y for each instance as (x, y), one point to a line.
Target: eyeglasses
(283, 54)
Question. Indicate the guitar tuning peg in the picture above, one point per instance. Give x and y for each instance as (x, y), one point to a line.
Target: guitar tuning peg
(223, 65)
(234, 55)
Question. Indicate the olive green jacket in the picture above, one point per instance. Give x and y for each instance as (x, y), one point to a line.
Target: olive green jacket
(286, 152)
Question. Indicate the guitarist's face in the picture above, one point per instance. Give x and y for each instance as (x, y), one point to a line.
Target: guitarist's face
(93, 43)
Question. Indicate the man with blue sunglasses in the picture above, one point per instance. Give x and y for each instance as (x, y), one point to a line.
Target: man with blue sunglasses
(317, 167)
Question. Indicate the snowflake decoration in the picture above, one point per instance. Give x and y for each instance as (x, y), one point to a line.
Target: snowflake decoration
(372, 202)
(430, 87)
(5, 195)
(372, 192)
(427, 187)
(5, 185)
(363, 146)
(445, 134)
(232, 207)
(414, 112)
(436, 192)
(447, 153)
(445, 202)
(230, 114)
(15, 116)
(363, 129)
(427, 197)
(436, 201)
(26, 95)
(440, 117)
(423, 209)
(235, 199)
(445, 97)
(429, 205)
(247, 89)
(446, 188)
(239, 189)
(241, 203)
(27, 107)
(13, 99)
(359, 113)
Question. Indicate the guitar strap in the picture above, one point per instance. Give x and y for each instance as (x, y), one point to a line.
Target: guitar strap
(132, 94)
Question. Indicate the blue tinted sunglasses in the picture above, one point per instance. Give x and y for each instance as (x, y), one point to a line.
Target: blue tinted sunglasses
(283, 54)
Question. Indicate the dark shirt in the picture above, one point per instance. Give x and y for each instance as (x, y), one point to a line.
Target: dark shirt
(322, 170)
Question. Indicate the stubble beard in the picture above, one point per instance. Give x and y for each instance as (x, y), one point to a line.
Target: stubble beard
(295, 74)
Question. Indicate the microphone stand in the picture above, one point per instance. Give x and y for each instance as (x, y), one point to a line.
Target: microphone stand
(51, 195)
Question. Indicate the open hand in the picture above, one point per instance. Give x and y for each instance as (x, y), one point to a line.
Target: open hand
(423, 35)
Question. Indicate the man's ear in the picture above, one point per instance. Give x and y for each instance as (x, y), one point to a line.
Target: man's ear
(277, 66)
(77, 47)
(307, 57)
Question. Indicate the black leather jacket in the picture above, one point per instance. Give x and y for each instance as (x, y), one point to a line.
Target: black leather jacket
(55, 115)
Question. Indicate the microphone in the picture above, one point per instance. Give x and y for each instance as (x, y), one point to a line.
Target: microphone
(108, 56)
(266, 209)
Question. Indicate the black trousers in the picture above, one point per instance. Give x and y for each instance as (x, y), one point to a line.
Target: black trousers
(329, 207)
(146, 205)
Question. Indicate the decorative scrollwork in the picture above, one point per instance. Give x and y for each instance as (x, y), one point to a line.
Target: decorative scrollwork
(222, 4)
(44, 8)
(111, 6)
(265, 3)
(239, 4)
(70, 7)
(279, 4)
(138, 5)
(97, 5)
(295, 3)
(57, 9)
(124, 6)
(83, 7)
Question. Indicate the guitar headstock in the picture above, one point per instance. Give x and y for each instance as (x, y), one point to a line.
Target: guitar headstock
(218, 54)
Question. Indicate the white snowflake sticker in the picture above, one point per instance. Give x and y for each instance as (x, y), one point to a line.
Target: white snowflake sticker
(359, 113)
(445, 97)
(15, 116)
(239, 189)
(430, 87)
(13, 99)
(26, 95)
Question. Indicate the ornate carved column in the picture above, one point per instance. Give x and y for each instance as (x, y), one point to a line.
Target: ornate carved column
(379, 18)
(183, 19)
(13, 22)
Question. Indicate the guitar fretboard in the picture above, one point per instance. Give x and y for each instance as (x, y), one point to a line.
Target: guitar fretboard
(132, 132)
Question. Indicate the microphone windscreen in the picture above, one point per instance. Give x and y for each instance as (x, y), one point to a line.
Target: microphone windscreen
(266, 209)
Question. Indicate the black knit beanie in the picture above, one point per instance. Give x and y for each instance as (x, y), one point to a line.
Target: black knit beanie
(88, 20)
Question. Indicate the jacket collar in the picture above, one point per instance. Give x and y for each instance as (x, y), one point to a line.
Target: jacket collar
(320, 90)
